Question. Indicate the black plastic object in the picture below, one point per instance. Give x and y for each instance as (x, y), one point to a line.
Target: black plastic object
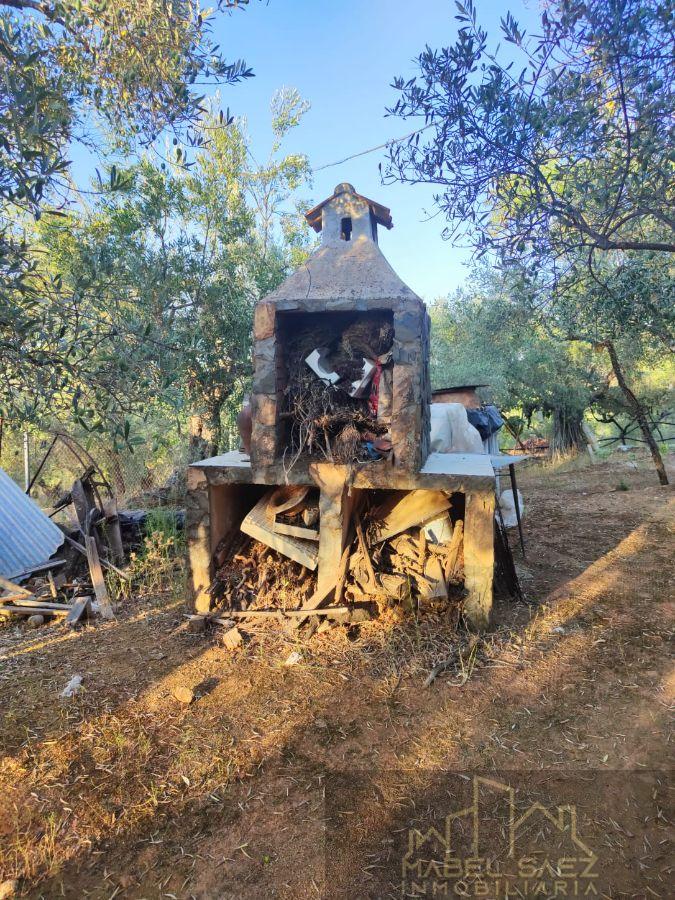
(486, 420)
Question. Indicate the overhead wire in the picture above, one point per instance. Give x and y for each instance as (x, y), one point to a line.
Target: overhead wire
(388, 143)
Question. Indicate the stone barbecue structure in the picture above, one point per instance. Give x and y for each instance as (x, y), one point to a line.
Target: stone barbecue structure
(347, 275)
(345, 283)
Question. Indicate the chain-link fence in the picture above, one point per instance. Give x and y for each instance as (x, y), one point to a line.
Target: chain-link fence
(152, 473)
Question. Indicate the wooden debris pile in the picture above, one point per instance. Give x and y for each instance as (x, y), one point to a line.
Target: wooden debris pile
(326, 419)
(45, 597)
(71, 588)
(257, 577)
(408, 550)
(405, 550)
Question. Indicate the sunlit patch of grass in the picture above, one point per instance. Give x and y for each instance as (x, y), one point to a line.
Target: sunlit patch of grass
(122, 774)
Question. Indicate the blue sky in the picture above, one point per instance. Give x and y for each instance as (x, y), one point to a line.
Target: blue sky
(342, 57)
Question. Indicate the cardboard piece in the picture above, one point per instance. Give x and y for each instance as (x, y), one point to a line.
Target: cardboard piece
(257, 525)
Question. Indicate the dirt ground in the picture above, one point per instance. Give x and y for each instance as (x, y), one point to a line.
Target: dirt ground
(308, 781)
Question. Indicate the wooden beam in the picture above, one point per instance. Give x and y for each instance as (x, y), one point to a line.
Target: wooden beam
(14, 588)
(104, 562)
(81, 607)
(332, 502)
(479, 558)
(341, 613)
(97, 579)
(30, 602)
(35, 610)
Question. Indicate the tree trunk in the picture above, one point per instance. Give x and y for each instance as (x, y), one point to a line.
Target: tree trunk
(215, 427)
(199, 440)
(568, 436)
(638, 411)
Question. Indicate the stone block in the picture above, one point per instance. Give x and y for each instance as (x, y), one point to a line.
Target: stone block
(264, 409)
(265, 350)
(408, 354)
(265, 377)
(196, 479)
(408, 326)
(263, 445)
(405, 389)
(264, 321)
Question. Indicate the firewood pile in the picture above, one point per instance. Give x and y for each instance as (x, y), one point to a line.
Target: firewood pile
(406, 551)
(257, 577)
(332, 396)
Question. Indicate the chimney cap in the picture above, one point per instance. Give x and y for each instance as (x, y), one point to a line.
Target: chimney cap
(343, 188)
(380, 213)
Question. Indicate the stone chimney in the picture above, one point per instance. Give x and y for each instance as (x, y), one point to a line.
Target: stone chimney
(346, 276)
(347, 216)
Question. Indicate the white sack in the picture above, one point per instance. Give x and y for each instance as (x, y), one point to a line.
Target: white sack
(451, 431)
(508, 508)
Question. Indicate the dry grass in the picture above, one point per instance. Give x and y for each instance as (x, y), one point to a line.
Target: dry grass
(123, 791)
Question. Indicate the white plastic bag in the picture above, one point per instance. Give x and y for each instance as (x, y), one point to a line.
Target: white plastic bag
(451, 431)
(73, 687)
(508, 508)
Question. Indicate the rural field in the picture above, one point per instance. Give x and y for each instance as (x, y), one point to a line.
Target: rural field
(302, 781)
(296, 299)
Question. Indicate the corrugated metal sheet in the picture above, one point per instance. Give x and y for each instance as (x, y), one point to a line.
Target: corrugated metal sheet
(27, 536)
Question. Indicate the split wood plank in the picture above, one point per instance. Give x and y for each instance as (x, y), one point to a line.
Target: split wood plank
(257, 525)
(314, 602)
(14, 588)
(453, 550)
(422, 547)
(97, 579)
(299, 531)
(12, 598)
(364, 549)
(81, 607)
(104, 562)
(433, 572)
(31, 602)
(341, 613)
(414, 508)
(35, 610)
(342, 575)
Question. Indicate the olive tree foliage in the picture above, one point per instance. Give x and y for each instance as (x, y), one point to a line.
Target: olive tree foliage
(71, 71)
(605, 345)
(485, 334)
(554, 158)
(623, 307)
(561, 143)
(166, 271)
(68, 65)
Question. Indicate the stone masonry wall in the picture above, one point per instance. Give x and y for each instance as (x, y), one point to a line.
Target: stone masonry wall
(411, 392)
